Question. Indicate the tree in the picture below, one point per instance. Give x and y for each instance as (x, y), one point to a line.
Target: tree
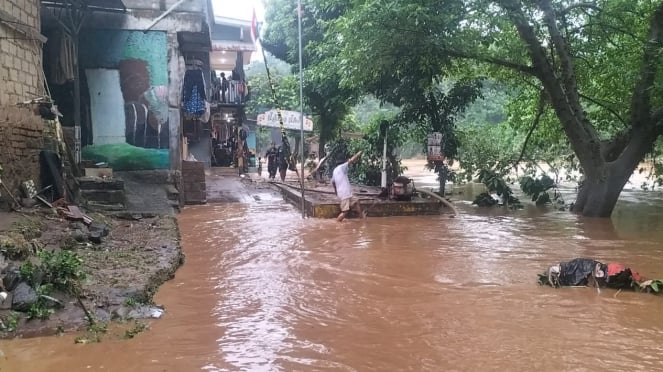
(405, 70)
(595, 64)
(285, 84)
(287, 93)
(328, 101)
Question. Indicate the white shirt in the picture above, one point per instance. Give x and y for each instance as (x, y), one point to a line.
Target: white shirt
(340, 179)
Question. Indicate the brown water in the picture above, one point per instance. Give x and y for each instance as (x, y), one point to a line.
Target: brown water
(262, 290)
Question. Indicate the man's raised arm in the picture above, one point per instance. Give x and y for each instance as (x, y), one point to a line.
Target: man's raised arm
(355, 158)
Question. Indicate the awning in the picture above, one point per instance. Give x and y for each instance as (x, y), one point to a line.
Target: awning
(108, 6)
(235, 46)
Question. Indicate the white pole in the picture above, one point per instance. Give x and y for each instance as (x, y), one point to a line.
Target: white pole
(383, 181)
(301, 105)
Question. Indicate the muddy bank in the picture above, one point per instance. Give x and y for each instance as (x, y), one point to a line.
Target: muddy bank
(54, 270)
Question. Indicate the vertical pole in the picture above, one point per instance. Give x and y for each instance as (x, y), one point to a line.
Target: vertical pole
(77, 101)
(301, 105)
(383, 180)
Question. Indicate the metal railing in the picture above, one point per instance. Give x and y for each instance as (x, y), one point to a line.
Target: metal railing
(235, 93)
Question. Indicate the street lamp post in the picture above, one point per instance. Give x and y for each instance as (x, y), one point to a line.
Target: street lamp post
(301, 105)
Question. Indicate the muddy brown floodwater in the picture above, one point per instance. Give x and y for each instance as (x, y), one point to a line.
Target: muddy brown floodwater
(262, 290)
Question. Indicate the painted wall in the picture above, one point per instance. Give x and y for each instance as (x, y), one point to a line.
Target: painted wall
(127, 78)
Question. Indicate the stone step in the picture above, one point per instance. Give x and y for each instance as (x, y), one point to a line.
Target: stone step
(172, 192)
(96, 183)
(101, 207)
(104, 196)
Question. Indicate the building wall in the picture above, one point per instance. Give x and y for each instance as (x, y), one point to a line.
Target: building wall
(127, 79)
(20, 144)
(20, 60)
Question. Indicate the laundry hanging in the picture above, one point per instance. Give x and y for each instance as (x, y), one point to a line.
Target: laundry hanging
(194, 93)
(60, 50)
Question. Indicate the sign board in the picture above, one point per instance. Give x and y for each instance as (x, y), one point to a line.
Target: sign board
(435, 147)
(291, 120)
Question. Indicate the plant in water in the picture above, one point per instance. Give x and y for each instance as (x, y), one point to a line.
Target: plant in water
(10, 322)
(138, 328)
(495, 184)
(538, 189)
(93, 334)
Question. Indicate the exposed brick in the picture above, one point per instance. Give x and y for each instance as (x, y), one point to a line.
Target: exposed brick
(20, 59)
(21, 141)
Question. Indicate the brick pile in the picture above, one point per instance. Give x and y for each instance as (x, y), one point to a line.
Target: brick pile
(193, 182)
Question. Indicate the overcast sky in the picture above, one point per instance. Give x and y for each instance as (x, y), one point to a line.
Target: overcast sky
(238, 9)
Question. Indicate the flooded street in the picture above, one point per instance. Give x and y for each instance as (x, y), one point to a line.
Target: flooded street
(262, 290)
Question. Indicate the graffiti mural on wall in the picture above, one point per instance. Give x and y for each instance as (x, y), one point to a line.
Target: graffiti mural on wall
(130, 133)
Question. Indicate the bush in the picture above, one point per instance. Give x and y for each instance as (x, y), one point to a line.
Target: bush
(61, 269)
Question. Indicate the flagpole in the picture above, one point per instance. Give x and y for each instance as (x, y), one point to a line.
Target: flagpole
(301, 105)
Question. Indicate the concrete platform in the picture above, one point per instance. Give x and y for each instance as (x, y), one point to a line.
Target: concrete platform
(322, 203)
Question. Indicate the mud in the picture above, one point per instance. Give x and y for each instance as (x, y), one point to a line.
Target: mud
(122, 273)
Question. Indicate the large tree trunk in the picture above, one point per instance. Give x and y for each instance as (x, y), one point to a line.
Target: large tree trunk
(608, 165)
(598, 196)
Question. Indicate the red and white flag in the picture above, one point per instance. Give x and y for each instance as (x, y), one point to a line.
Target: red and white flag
(254, 27)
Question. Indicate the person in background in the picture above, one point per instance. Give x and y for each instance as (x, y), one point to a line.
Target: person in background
(343, 189)
(282, 163)
(272, 158)
(224, 87)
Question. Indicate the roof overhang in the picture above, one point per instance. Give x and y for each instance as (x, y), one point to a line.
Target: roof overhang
(231, 21)
(235, 46)
(108, 6)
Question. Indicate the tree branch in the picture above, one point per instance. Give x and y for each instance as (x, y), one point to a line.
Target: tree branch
(572, 7)
(657, 116)
(606, 107)
(584, 140)
(495, 61)
(565, 58)
(537, 119)
(641, 101)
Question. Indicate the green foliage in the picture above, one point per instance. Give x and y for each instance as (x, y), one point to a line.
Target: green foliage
(537, 188)
(583, 59)
(61, 269)
(369, 170)
(652, 286)
(41, 309)
(9, 323)
(497, 185)
(93, 334)
(139, 327)
(286, 85)
(329, 101)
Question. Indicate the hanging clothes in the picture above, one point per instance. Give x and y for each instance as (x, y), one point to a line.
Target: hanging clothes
(60, 50)
(194, 93)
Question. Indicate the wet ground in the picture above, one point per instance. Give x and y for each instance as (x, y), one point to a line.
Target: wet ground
(263, 290)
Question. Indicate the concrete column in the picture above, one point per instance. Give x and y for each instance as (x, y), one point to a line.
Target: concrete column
(175, 125)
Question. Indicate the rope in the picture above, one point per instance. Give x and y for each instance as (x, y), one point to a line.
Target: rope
(314, 190)
(284, 138)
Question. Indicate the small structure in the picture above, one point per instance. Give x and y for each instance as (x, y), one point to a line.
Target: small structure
(322, 203)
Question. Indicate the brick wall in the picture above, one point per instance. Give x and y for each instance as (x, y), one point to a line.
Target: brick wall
(193, 182)
(21, 140)
(20, 59)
